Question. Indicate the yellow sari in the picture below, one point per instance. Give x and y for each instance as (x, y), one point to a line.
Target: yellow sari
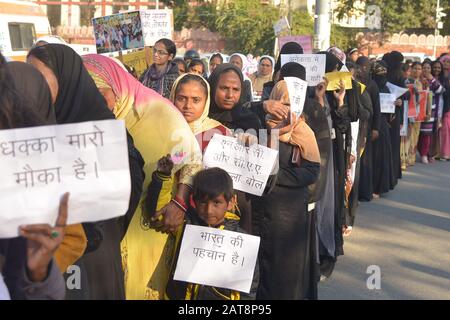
(157, 128)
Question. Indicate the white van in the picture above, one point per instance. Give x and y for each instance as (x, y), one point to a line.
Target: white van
(21, 23)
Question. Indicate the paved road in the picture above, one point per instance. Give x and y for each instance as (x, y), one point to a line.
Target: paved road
(407, 234)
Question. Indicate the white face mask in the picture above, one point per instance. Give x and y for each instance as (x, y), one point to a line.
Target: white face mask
(4, 293)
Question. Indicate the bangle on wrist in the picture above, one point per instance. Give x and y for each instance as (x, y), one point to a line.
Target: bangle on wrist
(179, 204)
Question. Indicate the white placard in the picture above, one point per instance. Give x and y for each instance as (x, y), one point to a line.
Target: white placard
(219, 258)
(156, 24)
(297, 94)
(396, 90)
(313, 63)
(387, 102)
(249, 167)
(404, 127)
(354, 149)
(39, 164)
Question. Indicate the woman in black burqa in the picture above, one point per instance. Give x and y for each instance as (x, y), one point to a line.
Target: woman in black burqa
(77, 99)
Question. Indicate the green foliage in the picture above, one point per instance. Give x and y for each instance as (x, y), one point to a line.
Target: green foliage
(302, 23)
(247, 26)
(399, 15)
(186, 16)
(343, 38)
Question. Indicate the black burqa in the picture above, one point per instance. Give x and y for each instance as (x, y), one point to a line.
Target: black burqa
(33, 107)
(371, 96)
(383, 170)
(364, 114)
(240, 118)
(316, 118)
(341, 144)
(79, 100)
(31, 85)
(288, 264)
(394, 75)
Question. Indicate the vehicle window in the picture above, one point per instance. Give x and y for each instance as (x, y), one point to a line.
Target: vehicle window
(22, 35)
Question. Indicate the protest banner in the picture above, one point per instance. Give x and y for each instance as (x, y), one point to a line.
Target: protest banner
(334, 79)
(304, 41)
(249, 167)
(425, 102)
(412, 103)
(387, 102)
(138, 60)
(117, 32)
(39, 164)
(218, 258)
(313, 63)
(156, 24)
(297, 94)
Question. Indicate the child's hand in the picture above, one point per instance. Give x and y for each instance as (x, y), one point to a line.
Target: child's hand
(165, 165)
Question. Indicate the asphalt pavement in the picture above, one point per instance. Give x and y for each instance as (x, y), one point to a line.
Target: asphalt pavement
(406, 233)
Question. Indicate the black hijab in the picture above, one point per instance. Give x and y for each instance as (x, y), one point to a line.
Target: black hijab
(316, 118)
(32, 86)
(394, 62)
(332, 62)
(215, 112)
(293, 69)
(288, 48)
(78, 98)
(379, 72)
(238, 116)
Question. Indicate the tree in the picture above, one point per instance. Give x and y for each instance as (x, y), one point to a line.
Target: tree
(302, 23)
(186, 16)
(247, 26)
(399, 15)
(180, 12)
(343, 38)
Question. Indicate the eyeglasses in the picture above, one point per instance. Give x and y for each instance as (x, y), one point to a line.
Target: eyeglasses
(160, 53)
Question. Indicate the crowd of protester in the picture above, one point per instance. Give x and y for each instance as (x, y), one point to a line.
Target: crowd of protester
(341, 150)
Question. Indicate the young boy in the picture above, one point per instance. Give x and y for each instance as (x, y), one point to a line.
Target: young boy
(211, 205)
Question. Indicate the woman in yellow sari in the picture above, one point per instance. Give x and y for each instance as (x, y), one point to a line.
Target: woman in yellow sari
(157, 129)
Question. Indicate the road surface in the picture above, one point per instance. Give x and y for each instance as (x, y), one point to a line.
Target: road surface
(407, 234)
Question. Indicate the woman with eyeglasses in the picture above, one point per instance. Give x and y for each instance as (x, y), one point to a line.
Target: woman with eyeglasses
(161, 75)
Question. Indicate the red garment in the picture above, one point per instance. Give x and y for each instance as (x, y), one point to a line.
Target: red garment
(204, 137)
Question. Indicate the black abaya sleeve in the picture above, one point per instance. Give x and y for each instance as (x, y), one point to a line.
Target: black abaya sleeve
(374, 93)
(341, 120)
(316, 118)
(291, 176)
(256, 107)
